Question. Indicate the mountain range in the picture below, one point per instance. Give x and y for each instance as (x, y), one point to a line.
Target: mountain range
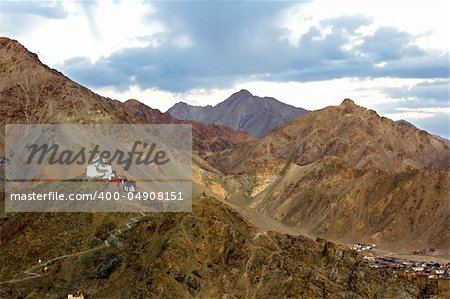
(356, 134)
(346, 174)
(242, 111)
(264, 209)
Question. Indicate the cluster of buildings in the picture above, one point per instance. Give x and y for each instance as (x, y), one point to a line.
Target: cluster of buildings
(432, 277)
(409, 268)
(363, 247)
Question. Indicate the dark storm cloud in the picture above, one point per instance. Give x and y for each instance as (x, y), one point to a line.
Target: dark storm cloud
(235, 40)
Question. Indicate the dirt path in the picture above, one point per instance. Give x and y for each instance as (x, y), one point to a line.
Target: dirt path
(31, 272)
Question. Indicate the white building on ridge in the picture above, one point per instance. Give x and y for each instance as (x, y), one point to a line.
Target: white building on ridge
(99, 168)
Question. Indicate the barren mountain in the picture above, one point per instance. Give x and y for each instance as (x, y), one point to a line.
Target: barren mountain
(30, 92)
(242, 111)
(346, 174)
(331, 199)
(358, 135)
(398, 211)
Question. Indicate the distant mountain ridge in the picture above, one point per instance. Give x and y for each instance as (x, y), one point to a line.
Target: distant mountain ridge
(242, 111)
(206, 137)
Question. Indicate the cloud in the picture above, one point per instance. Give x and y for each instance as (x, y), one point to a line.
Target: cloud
(169, 49)
(388, 43)
(90, 30)
(216, 44)
(426, 21)
(178, 46)
(347, 22)
(429, 93)
(435, 121)
(438, 124)
(46, 9)
(18, 17)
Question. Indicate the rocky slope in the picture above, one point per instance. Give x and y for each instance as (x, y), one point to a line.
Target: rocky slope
(331, 199)
(242, 111)
(398, 211)
(30, 92)
(209, 253)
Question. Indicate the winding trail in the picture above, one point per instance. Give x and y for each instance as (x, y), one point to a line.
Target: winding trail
(31, 272)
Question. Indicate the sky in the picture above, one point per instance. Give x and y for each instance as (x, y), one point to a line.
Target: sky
(391, 56)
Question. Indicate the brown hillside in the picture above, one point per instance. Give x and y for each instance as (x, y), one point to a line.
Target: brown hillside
(212, 252)
(329, 198)
(209, 253)
(30, 92)
(358, 135)
(347, 174)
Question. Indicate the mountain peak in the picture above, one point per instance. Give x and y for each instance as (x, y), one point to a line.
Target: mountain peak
(12, 48)
(17, 61)
(243, 93)
(4, 40)
(242, 111)
(181, 103)
(406, 123)
(132, 101)
(348, 102)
